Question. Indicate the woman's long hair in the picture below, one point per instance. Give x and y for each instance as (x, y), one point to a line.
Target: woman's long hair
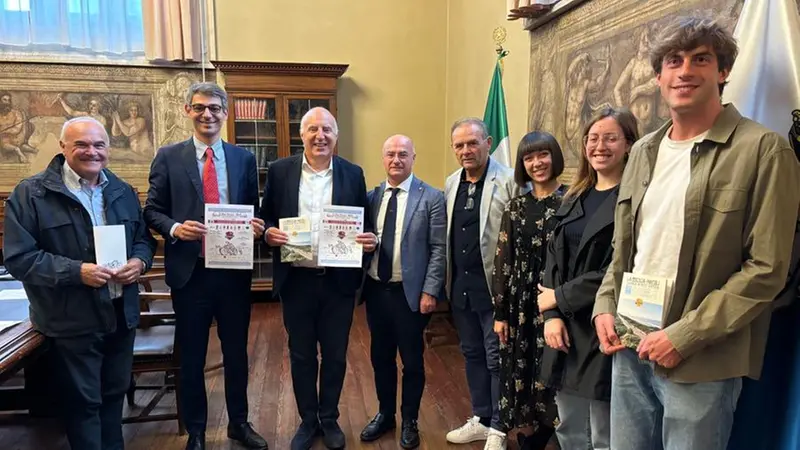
(587, 176)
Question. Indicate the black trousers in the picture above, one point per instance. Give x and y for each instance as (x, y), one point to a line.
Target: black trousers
(209, 294)
(394, 326)
(315, 311)
(93, 372)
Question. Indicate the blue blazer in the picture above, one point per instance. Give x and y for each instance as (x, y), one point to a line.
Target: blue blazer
(281, 199)
(423, 240)
(176, 195)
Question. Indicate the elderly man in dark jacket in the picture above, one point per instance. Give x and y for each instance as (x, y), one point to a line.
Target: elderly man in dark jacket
(88, 312)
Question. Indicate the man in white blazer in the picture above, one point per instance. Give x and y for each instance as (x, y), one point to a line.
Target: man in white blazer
(476, 196)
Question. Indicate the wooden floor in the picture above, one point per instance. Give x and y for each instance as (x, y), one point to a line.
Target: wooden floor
(445, 403)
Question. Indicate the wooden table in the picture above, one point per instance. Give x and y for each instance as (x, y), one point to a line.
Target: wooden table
(19, 346)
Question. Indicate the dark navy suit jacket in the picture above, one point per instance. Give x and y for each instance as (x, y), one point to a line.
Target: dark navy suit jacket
(281, 192)
(176, 195)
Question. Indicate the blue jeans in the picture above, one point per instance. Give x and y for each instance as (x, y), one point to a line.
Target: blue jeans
(584, 423)
(649, 412)
(481, 349)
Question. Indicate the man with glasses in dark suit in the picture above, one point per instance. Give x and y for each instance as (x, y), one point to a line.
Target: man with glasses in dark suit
(184, 177)
(476, 197)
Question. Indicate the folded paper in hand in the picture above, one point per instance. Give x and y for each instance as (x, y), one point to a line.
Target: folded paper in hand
(110, 248)
(299, 247)
(640, 307)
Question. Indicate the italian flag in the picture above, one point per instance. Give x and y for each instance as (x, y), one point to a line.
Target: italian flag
(495, 116)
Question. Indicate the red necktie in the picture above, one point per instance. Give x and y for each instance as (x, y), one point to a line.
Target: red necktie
(210, 186)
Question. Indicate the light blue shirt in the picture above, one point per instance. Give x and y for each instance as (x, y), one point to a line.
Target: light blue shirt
(92, 200)
(219, 164)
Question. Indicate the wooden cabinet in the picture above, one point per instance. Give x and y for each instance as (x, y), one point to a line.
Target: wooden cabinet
(265, 104)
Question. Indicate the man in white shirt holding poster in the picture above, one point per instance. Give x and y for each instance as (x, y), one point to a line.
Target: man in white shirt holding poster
(317, 301)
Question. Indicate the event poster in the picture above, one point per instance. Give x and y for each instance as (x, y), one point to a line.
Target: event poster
(229, 236)
(337, 236)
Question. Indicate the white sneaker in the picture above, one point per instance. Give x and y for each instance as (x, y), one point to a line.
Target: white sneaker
(471, 431)
(495, 440)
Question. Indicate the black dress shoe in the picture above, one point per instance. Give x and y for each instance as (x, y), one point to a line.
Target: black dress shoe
(377, 427)
(332, 435)
(304, 437)
(409, 438)
(244, 434)
(196, 441)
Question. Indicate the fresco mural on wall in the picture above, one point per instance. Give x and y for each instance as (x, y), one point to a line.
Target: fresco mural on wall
(140, 107)
(597, 55)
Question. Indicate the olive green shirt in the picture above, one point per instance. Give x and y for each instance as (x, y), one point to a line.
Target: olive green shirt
(740, 214)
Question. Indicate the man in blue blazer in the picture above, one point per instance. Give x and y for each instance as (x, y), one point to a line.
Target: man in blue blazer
(405, 278)
(317, 302)
(183, 178)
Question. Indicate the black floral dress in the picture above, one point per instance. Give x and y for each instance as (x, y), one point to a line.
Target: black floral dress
(527, 225)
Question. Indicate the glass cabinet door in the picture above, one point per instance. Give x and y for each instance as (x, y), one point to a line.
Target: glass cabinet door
(296, 108)
(256, 128)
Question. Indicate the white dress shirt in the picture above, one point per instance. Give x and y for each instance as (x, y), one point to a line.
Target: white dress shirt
(316, 191)
(402, 202)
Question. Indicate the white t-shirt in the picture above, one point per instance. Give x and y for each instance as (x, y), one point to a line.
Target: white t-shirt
(660, 222)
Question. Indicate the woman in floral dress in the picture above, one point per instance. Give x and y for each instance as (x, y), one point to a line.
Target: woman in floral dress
(527, 225)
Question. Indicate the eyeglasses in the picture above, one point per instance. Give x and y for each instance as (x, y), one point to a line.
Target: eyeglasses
(470, 197)
(200, 108)
(592, 140)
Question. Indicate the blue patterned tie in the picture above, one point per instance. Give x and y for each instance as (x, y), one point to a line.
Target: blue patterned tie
(386, 256)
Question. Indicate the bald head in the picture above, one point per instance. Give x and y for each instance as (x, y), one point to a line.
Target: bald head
(318, 114)
(398, 158)
(399, 140)
(80, 122)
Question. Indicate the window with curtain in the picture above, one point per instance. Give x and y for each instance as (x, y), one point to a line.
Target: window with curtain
(110, 29)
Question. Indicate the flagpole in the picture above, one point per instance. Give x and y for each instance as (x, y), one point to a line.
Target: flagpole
(499, 35)
(495, 115)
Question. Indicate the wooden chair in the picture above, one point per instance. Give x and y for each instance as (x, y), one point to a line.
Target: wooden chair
(441, 330)
(158, 274)
(155, 349)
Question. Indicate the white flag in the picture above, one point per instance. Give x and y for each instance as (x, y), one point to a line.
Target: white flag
(765, 81)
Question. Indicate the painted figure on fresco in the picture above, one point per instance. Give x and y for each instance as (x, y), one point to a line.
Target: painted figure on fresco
(15, 130)
(581, 83)
(93, 110)
(545, 111)
(134, 127)
(637, 88)
(179, 126)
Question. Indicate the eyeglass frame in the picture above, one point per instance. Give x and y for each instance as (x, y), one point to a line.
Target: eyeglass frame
(604, 138)
(200, 108)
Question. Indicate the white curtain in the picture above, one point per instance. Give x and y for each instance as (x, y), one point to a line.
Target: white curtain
(172, 30)
(110, 27)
